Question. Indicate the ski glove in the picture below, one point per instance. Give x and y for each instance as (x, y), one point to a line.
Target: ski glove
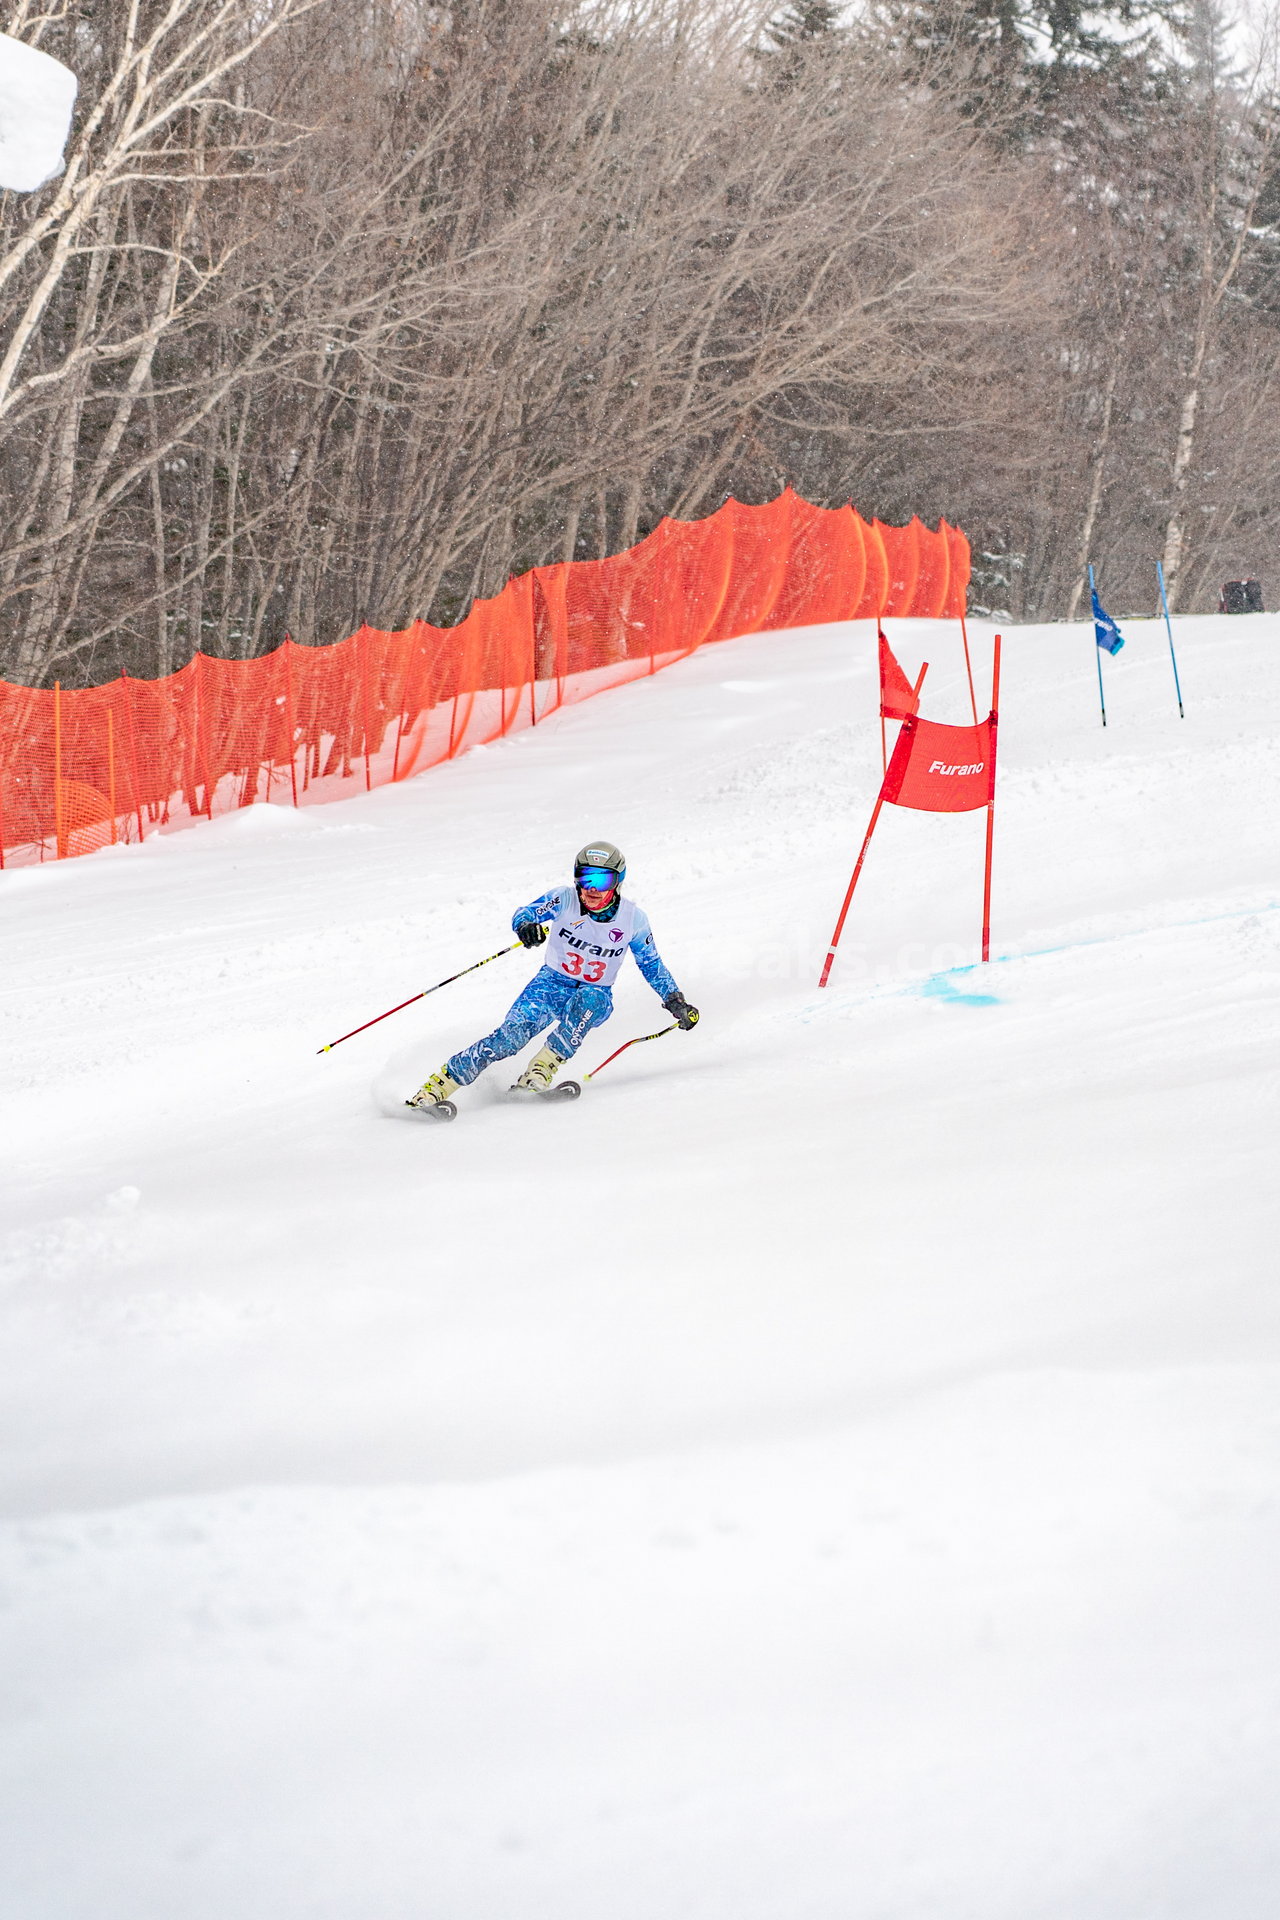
(531, 933)
(681, 1012)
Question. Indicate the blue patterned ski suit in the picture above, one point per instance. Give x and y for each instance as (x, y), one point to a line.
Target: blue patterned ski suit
(571, 1008)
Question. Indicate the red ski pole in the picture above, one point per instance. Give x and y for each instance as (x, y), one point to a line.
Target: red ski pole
(630, 1043)
(418, 996)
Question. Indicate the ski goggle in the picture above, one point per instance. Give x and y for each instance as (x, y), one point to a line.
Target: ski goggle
(597, 879)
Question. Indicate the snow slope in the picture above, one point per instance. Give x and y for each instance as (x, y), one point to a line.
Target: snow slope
(37, 99)
(832, 1472)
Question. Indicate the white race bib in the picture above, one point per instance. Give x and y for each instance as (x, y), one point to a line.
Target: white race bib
(586, 949)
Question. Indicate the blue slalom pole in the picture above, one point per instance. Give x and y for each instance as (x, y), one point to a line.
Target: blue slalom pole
(1102, 698)
(1164, 601)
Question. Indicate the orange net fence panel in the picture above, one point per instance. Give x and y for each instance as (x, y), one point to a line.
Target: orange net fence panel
(82, 770)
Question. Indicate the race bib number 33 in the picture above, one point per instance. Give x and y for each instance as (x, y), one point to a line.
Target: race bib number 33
(582, 969)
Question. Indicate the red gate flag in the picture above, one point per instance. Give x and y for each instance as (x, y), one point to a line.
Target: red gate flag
(898, 698)
(939, 769)
(935, 769)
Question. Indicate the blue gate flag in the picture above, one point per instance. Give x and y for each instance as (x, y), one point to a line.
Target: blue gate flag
(1105, 631)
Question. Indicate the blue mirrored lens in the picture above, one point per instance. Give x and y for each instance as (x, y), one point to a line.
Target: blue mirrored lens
(599, 879)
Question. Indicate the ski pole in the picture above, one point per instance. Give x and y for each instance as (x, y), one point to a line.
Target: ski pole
(1164, 602)
(418, 996)
(630, 1043)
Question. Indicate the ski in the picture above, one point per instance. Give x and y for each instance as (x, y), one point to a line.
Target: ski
(444, 1110)
(438, 1110)
(565, 1090)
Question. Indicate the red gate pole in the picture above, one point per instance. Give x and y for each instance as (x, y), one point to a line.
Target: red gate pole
(991, 804)
(58, 836)
(458, 650)
(202, 734)
(133, 753)
(653, 605)
(835, 938)
(365, 630)
(290, 722)
(506, 675)
(111, 770)
(562, 641)
(964, 635)
(406, 683)
(884, 750)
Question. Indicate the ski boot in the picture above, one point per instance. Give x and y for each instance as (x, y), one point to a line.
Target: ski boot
(434, 1097)
(539, 1074)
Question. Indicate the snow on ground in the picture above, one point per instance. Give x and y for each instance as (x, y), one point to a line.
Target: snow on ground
(831, 1472)
(37, 98)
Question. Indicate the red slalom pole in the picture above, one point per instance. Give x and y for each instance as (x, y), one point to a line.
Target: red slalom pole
(413, 997)
(835, 938)
(881, 636)
(991, 804)
(964, 635)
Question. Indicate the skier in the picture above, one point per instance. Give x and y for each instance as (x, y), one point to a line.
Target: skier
(591, 930)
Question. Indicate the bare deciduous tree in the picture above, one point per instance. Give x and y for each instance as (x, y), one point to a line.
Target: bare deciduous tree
(349, 313)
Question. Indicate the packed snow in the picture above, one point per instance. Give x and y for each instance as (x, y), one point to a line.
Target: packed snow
(37, 99)
(829, 1472)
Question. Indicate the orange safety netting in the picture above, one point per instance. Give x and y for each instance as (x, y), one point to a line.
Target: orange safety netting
(81, 770)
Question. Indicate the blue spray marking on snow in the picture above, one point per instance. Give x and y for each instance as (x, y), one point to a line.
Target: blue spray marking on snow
(941, 986)
(938, 985)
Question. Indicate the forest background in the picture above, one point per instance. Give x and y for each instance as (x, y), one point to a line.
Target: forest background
(348, 311)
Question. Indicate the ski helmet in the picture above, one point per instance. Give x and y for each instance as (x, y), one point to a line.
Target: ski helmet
(600, 856)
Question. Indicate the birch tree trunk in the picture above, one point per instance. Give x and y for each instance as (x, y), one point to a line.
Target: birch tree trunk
(1097, 474)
